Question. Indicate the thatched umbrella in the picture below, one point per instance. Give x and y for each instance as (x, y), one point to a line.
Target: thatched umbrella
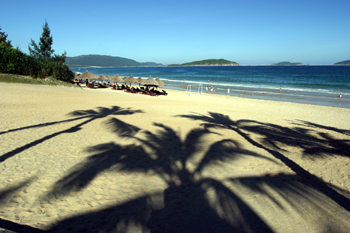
(130, 80)
(116, 79)
(108, 77)
(140, 80)
(88, 75)
(101, 78)
(160, 82)
(150, 82)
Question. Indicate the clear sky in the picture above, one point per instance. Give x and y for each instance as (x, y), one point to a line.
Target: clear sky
(179, 31)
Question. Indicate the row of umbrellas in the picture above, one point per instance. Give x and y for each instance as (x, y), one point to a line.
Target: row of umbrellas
(117, 79)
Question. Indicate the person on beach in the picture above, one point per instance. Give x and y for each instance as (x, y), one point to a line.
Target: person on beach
(206, 88)
(340, 96)
(228, 91)
(211, 89)
(280, 89)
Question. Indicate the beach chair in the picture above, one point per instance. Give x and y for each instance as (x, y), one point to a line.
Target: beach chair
(128, 90)
(153, 94)
(144, 92)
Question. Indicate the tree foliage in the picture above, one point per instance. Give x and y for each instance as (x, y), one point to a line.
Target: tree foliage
(41, 63)
(44, 49)
(3, 39)
(14, 61)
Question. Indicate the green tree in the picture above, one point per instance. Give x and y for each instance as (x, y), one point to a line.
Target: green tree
(14, 61)
(3, 39)
(44, 49)
(45, 62)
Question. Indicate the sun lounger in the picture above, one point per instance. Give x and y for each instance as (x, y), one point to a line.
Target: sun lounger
(130, 91)
(148, 93)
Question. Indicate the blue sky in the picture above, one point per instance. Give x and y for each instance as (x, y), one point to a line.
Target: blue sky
(168, 32)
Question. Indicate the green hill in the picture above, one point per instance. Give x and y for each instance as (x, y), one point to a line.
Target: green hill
(209, 62)
(104, 61)
(287, 63)
(347, 62)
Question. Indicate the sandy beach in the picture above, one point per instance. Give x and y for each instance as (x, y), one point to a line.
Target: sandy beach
(101, 160)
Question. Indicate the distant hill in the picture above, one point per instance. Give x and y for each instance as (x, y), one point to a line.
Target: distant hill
(209, 62)
(104, 61)
(347, 62)
(287, 63)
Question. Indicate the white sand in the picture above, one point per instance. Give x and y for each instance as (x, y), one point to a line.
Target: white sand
(42, 144)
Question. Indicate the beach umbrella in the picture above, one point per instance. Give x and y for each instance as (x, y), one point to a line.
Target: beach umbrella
(160, 82)
(101, 78)
(130, 80)
(88, 75)
(108, 77)
(117, 79)
(150, 82)
(140, 80)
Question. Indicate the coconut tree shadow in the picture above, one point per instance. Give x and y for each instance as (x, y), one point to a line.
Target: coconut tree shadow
(333, 146)
(314, 143)
(188, 203)
(275, 137)
(41, 125)
(5, 195)
(131, 216)
(9, 226)
(318, 126)
(90, 115)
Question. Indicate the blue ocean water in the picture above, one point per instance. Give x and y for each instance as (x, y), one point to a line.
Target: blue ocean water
(319, 85)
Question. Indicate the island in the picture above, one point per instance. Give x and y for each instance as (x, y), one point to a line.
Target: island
(287, 63)
(209, 62)
(342, 63)
(100, 61)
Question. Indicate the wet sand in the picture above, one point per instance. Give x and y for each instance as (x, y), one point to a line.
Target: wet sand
(77, 159)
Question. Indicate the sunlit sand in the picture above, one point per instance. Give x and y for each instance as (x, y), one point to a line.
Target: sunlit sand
(78, 159)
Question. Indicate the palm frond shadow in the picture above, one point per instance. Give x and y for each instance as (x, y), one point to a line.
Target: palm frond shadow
(191, 203)
(5, 195)
(90, 115)
(318, 126)
(41, 125)
(314, 144)
(275, 137)
(10, 226)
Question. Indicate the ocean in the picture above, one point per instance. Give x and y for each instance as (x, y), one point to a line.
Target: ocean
(318, 85)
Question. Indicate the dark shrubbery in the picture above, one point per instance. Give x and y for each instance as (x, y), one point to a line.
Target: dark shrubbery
(40, 64)
(62, 72)
(13, 61)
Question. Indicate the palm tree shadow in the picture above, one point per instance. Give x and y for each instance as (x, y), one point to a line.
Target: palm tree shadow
(41, 125)
(275, 137)
(191, 203)
(314, 144)
(318, 126)
(334, 146)
(5, 195)
(90, 115)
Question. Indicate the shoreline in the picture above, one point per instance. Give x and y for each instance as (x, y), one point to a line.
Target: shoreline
(279, 97)
(254, 83)
(79, 159)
